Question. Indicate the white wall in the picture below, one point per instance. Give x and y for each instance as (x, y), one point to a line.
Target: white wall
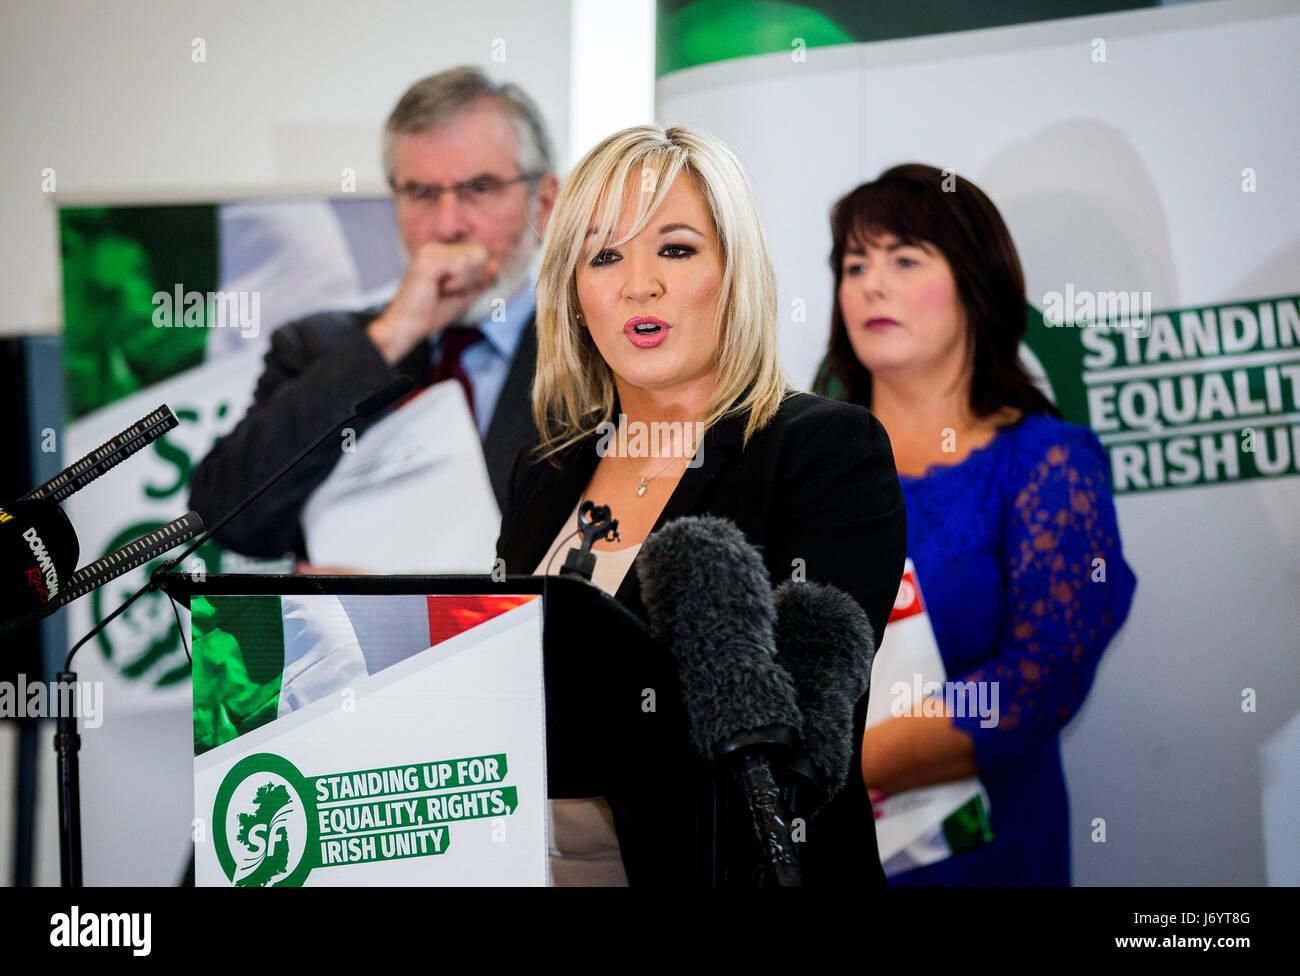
(612, 76)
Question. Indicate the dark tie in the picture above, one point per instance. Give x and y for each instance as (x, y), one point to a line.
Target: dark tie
(455, 340)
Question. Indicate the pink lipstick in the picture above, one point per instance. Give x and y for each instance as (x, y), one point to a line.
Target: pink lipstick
(646, 331)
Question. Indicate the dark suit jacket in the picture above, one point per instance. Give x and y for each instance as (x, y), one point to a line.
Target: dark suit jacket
(816, 488)
(316, 370)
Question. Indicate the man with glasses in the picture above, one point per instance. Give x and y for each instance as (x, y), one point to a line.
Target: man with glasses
(471, 170)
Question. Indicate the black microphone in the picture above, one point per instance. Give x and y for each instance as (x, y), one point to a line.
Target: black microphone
(106, 457)
(706, 589)
(38, 545)
(38, 554)
(824, 640)
(38, 558)
(136, 553)
(595, 522)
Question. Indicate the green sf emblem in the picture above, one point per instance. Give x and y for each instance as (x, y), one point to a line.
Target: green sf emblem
(264, 823)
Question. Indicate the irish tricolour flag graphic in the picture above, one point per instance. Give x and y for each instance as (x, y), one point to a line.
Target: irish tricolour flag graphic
(259, 658)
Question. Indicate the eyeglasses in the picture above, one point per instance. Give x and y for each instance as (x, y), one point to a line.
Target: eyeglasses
(470, 193)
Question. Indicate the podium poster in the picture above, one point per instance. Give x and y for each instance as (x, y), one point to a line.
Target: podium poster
(928, 824)
(370, 739)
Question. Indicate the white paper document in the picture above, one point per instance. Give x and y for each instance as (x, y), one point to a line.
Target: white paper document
(931, 823)
(412, 496)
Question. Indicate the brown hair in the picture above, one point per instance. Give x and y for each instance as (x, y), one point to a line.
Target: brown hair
(920, 204)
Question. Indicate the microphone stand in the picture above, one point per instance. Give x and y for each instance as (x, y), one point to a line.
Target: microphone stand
(595, 522)
(67, 742)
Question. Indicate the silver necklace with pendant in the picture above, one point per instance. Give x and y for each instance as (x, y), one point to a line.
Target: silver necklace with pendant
(645, 479)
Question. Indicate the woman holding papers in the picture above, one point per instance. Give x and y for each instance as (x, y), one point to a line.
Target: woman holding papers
(1011, 526)
(657, 315)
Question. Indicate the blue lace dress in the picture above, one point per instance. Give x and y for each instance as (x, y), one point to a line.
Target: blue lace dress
(1017, 555)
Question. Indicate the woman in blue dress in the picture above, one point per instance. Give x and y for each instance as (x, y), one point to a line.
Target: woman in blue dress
(1011, 525)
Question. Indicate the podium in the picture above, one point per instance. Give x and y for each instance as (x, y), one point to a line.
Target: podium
(407, 730)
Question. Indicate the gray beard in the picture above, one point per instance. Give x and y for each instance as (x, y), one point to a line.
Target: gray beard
(511, 278)
(509, 282)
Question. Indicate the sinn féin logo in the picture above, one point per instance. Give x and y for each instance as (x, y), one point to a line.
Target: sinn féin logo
(264, 823)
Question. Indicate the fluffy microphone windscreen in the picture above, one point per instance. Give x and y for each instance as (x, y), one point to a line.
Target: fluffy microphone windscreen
(38, 552)
(824, 640)
(707, 591)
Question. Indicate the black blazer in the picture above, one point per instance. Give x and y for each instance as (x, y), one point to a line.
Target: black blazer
(817, 491)
(316, 370)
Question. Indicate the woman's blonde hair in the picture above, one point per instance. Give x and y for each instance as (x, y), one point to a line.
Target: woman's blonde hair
(573, 391)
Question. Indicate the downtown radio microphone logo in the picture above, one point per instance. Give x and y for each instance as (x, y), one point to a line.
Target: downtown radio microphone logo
(38, 550)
